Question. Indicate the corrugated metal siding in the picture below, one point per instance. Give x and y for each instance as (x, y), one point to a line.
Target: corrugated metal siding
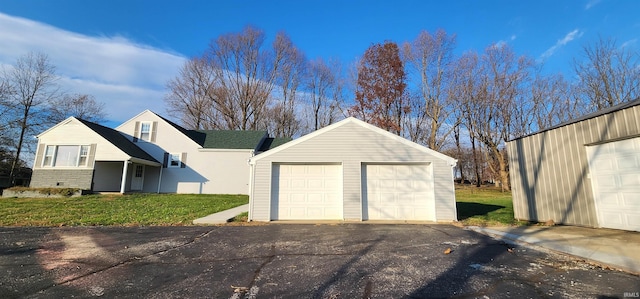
(351, 145)
(550, 172)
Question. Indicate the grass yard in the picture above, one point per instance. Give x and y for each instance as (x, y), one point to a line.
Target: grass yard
(484, 206)
(125, 210)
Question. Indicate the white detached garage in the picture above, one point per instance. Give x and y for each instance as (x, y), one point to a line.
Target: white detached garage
(352, 170)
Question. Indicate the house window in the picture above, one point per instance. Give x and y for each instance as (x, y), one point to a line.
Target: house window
(48, 155)
(145, 131)
(174, 160)
(84, 154)
(66, 155)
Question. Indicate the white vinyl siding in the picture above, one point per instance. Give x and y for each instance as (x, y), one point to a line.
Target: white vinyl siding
(352, 144)
(201, 171)
(615, 173)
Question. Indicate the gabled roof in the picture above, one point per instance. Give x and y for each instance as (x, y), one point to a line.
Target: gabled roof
(353, 120)
(221, 139)
(117, 139)
(611, 109)
(270, 143)
(230, 139)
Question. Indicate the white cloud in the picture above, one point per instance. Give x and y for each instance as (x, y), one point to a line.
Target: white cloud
(591, 4)
(502, 43)
(126, 76)
(567, 38)
(629, 43)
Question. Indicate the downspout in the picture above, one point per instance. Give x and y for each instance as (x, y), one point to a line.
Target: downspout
(124, 176)
(251, 180)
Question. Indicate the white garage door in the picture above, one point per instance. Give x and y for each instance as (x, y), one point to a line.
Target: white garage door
(306, 192)
(615, 176)
(398, 192)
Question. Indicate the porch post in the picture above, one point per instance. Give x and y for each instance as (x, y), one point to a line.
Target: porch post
(159, 179)
(124, 176)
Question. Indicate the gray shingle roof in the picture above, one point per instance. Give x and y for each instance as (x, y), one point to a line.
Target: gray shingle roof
(120, 141)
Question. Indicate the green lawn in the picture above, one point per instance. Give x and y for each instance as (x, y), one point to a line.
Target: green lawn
(126, 210)
(484, 206)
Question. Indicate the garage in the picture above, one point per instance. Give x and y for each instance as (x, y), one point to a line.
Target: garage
(583, 172)
(351, 171)
(306, 192)
(397, 192)
(615, 173)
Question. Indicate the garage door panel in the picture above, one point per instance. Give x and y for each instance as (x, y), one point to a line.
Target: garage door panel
(615, 173)
(397, 192)
(307, 192)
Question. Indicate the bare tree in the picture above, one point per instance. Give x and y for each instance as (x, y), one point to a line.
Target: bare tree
(380, 92)
(191, 93)
(31, 85)
(501, 105)
(608, 75)
(82, 106)
(246, 72)
(288, 79)
(324, 89)
(431, 57)
(552, 103)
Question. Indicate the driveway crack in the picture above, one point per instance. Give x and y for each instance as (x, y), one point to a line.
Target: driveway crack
(125, 262)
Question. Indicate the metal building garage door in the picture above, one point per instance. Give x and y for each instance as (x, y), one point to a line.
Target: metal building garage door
(615, 177)
(306, 192)
(398, 192)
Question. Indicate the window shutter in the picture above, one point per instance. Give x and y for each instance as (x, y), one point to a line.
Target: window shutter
(136, 131)
(39, 155)
(92, 155)
(154, 130)
(166, 160)
(183, 160)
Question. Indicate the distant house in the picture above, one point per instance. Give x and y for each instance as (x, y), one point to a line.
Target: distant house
(352, 170)
(583, 172)
(147, 153)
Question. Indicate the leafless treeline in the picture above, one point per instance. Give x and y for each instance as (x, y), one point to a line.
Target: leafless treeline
(465, 105)
(30, 102)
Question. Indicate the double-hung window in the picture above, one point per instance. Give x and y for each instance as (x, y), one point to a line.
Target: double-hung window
(174, 160)
(145, 131)
(65, 156)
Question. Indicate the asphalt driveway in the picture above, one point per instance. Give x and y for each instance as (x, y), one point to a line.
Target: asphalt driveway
(289, 261)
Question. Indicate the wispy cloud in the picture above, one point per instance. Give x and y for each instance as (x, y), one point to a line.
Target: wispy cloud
(591, 3)
(561, 42)
(126, 76)
(628, 43)
(502, 42)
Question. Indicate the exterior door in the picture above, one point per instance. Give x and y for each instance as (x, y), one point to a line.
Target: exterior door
(306, 192)
(615, 179)
(137, 178)
(398, 192)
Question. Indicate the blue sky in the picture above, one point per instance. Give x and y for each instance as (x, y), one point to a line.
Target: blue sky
(123, 52)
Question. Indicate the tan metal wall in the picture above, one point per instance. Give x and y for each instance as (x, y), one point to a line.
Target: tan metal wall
(550, 172)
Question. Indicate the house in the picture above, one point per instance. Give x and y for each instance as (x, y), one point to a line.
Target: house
(147, 153)
(583, 172)
(352, 170)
